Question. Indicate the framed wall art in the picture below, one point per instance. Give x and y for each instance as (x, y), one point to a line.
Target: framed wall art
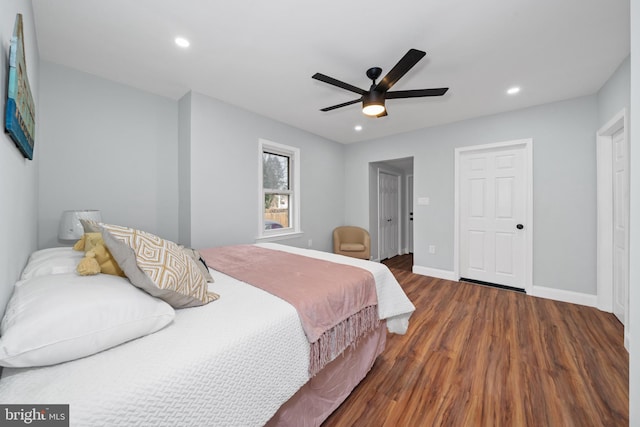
(20, 110)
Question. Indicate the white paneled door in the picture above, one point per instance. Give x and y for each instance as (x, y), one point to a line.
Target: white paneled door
(492, 213)
(620, 225)
(389, 204)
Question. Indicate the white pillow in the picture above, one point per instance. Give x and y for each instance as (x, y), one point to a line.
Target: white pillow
(52, 261)
(61, 317)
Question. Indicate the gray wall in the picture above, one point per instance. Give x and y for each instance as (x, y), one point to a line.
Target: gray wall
(615, 93)
(184, 170)
(18, 176)
(106, 146)
(224, 181)
(634, 280)
(564, 186)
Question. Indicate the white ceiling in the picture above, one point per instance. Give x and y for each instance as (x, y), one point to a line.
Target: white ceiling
(260, 55)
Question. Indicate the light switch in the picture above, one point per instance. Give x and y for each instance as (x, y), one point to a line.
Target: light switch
(423, 201)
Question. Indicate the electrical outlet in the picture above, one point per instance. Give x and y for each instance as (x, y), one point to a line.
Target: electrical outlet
(432, 249)
(309, 243)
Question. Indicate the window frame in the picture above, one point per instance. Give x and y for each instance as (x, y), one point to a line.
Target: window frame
(293, 153)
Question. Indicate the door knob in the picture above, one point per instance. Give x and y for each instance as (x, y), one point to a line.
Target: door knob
(519, 226)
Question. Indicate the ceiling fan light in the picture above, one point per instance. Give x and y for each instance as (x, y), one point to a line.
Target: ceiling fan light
(373, 109)
(373, 103)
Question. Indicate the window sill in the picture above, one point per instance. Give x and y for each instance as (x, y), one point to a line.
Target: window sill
(276, 237)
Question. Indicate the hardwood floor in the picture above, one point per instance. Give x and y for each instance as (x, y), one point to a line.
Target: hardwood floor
(400, 262)
(480, 356)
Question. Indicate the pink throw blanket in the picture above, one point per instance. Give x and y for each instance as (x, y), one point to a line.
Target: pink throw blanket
(336, 303)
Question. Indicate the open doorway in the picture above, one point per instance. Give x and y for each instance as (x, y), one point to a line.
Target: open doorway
(391, 208)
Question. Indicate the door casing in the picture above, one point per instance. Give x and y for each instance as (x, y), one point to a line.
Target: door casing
(409, 215)
(605, 211)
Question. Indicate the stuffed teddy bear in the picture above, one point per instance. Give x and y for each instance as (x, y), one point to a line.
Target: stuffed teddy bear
(88, 266)
(93, 243)
(79, 245)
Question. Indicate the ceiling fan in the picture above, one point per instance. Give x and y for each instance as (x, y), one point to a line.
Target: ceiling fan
(374, 98)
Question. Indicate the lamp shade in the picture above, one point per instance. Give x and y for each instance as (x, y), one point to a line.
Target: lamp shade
(373, 103)
(70, 227)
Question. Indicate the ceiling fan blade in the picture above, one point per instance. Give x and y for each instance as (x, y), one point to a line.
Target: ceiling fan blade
(344, 104)
(338, 83)
(407, 62)
(416, 93)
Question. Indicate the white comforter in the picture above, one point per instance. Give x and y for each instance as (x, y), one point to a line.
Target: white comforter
(232, 362)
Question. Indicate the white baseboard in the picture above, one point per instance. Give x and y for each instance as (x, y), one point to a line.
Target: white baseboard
(565, 296)
(627, 338)
(434, 272)
(538, 291)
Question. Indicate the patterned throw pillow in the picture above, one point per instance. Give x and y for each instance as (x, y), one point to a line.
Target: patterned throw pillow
(157, 266)
(202, 265)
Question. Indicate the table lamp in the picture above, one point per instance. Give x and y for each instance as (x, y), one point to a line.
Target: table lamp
(70, 227)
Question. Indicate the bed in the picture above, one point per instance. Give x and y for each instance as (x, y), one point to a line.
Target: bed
(240, 360)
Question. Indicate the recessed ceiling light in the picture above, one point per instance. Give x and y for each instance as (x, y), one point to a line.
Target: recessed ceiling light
(182, 42)
(513, 90)
(358, 128)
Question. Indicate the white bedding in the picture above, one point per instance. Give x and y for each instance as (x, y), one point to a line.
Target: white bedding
(232, 362)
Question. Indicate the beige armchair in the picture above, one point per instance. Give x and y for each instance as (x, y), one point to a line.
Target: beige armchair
(352, 241)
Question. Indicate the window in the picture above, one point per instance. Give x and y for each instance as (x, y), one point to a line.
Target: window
(279, 172)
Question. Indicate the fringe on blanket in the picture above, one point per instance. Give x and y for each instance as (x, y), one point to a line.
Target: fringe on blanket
(346, 333)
